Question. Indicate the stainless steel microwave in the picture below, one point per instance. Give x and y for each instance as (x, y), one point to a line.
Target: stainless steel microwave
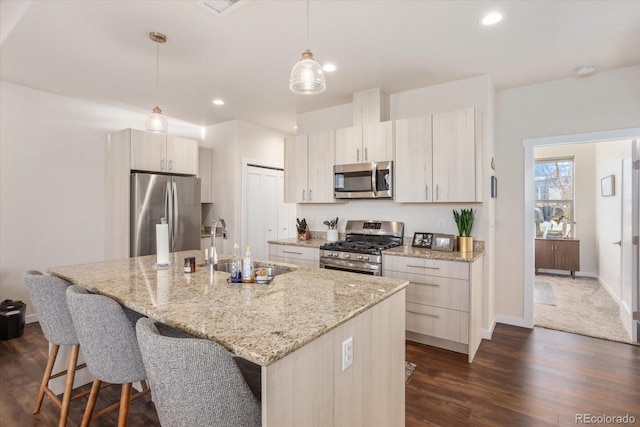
(363, 181)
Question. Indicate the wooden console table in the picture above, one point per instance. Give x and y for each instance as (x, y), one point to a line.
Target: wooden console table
(558, 254)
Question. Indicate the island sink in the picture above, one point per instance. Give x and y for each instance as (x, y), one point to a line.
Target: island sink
(271, 269)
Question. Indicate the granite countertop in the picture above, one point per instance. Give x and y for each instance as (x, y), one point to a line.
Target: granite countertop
(261, 323)
(311, 243)
(406, 250)
(410, 251)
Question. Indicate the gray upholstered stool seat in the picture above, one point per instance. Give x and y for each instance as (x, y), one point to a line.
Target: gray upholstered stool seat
(108, 340)
(195, 382)
(48, 296)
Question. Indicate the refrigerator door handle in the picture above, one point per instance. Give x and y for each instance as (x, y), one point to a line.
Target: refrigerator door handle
(170, 219)
(174, 223)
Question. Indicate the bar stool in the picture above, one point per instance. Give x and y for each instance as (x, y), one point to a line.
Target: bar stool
(109, 344)
(48, 296)
(195, 382)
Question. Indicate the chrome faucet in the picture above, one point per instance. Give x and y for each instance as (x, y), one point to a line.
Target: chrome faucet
(213, 257)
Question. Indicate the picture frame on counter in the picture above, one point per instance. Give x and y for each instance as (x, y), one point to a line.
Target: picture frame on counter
(422, 240)
(443, 242)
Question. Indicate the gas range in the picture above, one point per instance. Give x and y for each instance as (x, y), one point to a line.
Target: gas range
(361, 251)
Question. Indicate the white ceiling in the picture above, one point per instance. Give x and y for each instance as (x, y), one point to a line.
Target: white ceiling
(100, 50)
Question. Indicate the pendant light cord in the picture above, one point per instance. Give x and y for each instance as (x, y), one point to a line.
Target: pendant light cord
(157, 70)
(307, 24)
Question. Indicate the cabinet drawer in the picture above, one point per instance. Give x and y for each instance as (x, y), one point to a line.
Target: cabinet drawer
(432, 267)
(295, 254)
(438, 322)
(438, 291)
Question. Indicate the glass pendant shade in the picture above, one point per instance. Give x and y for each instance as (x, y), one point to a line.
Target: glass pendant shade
(307, 77)
(156, 122)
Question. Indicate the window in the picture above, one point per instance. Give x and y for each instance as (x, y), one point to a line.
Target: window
(554, 197)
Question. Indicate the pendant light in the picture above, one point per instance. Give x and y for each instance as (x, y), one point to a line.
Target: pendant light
(156, 122)
(307, 77)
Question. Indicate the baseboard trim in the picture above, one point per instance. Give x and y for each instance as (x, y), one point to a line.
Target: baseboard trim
(31, 318)
(513, 321)
(610, 292)
(488, 333)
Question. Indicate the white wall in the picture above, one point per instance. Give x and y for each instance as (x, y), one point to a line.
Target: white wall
(52, 156)
(232, 142)
(584, 198)
(608, 210)
(475, 92)
(604, 101)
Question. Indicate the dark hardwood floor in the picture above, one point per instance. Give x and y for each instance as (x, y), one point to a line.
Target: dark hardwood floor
(520, 378)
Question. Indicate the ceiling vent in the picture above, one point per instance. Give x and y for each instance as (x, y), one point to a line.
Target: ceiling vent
(221, 7)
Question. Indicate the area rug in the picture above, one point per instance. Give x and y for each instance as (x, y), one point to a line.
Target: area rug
(408, 369)
(582, 307)
(543, 293)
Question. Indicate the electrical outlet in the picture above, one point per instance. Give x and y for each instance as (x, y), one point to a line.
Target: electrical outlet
(441, 224)
(347, 353)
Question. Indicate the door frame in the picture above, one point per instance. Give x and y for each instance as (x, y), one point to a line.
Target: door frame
(529, 145)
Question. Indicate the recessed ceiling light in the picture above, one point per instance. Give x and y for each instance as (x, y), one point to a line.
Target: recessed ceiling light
(586, 69)
(329, 68)
(218, 102)
(492, 18)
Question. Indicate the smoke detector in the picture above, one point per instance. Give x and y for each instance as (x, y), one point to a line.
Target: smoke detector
(221, 7)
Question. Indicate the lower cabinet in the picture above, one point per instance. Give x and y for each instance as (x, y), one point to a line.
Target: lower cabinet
(558, 254)
(444, 301)
(292, 254)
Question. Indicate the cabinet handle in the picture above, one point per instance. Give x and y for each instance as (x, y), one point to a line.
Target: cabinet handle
(426, 192)
(434, 285)
(424, 314)
(366, 154)
(162, 164)
(294, 253)
(170, 164)
(437, 192)
(304, 193)
(422, 266)
(310, 198)
(357, 154)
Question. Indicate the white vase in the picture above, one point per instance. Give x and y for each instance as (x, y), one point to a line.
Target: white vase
(332, 235)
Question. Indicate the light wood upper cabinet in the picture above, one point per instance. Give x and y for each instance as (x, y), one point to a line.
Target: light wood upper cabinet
(413, 173)
(454, 156)
(363, 144)
(205, 173)
(321, 158)
(182, 155)
(349, 145)
(308, 165)
(438, 158)
(148, 151)
(295, 169)
(156, 152)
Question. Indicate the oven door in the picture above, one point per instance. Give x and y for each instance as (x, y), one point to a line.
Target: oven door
(351, 266)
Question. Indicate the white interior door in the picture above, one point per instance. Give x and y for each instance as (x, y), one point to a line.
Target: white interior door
(261, 209)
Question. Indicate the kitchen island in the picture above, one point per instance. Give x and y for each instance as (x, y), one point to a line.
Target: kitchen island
(294, 328)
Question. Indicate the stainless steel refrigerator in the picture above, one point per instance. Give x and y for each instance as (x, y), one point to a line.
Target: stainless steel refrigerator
(176, 198)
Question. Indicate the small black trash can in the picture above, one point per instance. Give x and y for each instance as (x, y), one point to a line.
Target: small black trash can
(11, 319)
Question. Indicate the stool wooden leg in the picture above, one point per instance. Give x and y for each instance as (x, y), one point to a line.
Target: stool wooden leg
(68, 388)
(93, 397)
(53, 353)
(145, 387)
(125, 397)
